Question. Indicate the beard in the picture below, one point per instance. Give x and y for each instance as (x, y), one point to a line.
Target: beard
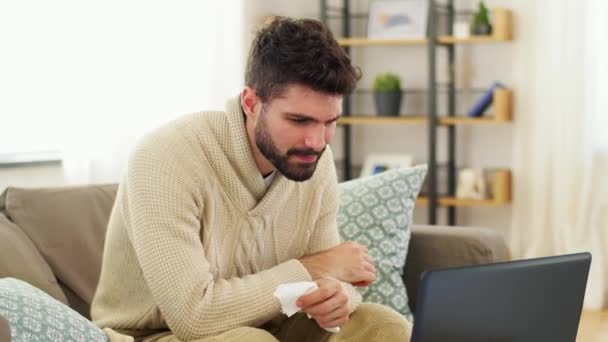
(294, 171)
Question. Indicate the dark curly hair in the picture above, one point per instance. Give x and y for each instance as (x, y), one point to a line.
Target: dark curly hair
(298, 51)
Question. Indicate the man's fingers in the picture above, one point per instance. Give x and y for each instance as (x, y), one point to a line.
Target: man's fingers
(331, 313)
(367, 276)
(362, 284)
(363, 248)
(336, 314)
(328, 307)
(370, 268)
(320, 295)
(365, 279)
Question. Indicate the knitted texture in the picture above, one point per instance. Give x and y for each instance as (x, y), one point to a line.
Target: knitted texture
(196, 243)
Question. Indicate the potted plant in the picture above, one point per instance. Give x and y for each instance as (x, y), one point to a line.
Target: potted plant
(387, 94)
(481, 21)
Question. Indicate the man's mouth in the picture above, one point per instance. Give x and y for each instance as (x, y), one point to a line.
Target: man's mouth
(306, 158)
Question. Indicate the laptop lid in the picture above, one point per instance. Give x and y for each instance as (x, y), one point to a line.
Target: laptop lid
(526, 300)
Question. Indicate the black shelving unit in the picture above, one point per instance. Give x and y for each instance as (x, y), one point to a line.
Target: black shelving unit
(446, 9)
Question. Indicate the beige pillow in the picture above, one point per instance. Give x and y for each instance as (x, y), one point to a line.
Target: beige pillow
(20, 259)
(68, 226)
(5, 330)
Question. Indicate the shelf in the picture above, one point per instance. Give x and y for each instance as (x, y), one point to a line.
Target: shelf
(461, 202)
(412, 42)
(469, 40)
(382, 120)
(415, 120)
(380, 42)
(466, 120)
(502, 103)
(502, 31)
(502, 110)
(501, 192)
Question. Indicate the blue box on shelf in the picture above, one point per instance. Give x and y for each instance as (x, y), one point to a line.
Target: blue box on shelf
(484, 101)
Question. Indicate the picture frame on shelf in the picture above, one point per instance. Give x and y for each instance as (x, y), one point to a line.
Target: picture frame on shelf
(398, 19)
(472, 184)
(377, 163)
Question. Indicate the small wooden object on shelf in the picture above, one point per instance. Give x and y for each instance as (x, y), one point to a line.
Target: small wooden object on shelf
(503, 105)
(502, 22)
(501, 186)
(501, 194)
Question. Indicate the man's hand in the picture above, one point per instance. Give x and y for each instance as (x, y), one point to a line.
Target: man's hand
(328, 305)
(348, 262)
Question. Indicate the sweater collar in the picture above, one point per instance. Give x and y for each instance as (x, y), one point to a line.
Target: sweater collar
(241, 158)
(241, 154)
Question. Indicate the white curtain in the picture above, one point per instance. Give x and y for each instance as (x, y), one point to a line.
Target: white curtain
(153, 61)
(561, 150)
(90, 77)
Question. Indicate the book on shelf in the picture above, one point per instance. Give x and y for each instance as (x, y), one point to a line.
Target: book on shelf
(484, 101)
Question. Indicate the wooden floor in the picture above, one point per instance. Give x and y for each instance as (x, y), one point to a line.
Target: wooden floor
(593, 327)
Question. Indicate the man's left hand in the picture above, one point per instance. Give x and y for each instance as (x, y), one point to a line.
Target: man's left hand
(328, 305)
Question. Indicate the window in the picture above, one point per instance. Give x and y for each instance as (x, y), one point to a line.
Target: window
(93, 73)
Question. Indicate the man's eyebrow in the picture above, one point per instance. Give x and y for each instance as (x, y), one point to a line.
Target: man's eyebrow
(301, 116)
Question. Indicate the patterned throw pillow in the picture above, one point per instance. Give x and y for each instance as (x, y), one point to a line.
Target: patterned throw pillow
(376, 211)
(36, 316)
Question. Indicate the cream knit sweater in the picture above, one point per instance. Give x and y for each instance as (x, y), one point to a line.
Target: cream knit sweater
(196, 243)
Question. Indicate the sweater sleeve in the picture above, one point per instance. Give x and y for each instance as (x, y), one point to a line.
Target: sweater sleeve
(161, 212)
(325, 234)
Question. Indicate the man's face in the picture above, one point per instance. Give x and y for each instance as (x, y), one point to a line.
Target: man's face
(293, 130)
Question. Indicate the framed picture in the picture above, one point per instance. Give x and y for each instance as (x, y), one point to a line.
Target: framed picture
(378, 163)
(398, 19)
(471, 184)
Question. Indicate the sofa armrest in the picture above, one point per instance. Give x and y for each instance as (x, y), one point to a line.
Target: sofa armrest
(5, 330)
(434, 247)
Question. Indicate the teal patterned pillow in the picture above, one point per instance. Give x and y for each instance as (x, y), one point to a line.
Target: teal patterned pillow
(36, 316)
(376, 211)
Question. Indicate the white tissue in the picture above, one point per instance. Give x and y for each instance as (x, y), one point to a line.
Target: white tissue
(289, 293)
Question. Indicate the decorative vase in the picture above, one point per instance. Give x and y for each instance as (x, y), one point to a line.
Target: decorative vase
(482, 29)
(388, 103)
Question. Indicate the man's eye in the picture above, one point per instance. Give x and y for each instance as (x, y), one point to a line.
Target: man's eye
(300, 121)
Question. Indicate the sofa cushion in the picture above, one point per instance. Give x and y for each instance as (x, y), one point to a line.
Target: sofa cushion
(435, 247)
(5, 330)
(35, 316)
(20, 259)
(68, 226)
(377, 212)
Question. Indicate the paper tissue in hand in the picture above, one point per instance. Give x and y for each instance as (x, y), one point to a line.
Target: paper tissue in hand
(289, 293)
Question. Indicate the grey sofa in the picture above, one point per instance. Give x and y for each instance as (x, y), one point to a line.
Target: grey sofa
(53, 238)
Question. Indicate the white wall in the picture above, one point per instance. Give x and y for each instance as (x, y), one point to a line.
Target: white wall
(487, 147)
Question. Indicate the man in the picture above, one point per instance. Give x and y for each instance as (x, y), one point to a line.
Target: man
(219, 208)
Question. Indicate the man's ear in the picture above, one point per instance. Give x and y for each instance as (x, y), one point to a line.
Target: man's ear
(249, 101)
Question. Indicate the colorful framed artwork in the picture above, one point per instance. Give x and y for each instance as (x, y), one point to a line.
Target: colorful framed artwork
(377, 163)
(398, 19)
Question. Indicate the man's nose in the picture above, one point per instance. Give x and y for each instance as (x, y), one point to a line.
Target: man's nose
(316, 139)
